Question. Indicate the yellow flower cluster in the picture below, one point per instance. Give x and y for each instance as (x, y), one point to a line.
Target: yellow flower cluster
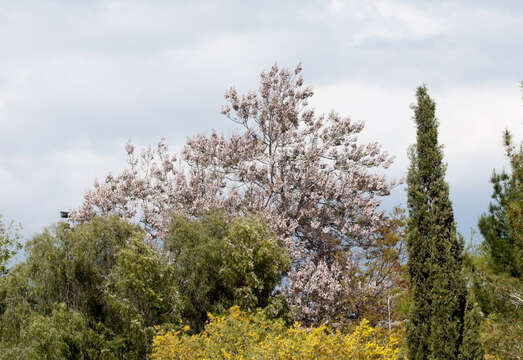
(242, 336)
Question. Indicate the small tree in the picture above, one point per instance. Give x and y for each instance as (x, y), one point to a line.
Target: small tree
(9, 244)
(222, 262)
(472, 348)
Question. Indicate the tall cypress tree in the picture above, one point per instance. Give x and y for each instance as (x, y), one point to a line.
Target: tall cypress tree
(436, 320)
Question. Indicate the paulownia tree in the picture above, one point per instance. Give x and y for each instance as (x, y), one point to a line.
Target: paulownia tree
(305, 173)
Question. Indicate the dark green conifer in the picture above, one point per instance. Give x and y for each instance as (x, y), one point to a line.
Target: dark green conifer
(436, 319)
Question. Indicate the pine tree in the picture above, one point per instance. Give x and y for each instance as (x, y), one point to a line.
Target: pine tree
(502, 227)
(497, 267)
(435, 327)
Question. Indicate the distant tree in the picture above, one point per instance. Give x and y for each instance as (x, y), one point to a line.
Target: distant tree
(436, 321)
(221, 262)
(305, 173)
(9, 244)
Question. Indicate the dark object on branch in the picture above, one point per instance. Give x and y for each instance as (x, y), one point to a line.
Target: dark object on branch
(64, 214)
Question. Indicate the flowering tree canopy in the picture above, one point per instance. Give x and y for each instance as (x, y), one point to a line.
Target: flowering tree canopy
(305, 173)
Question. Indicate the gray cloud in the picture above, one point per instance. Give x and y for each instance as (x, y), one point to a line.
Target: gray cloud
(78, 79)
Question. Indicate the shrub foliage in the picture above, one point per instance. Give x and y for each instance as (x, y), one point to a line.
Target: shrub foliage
(239, 335)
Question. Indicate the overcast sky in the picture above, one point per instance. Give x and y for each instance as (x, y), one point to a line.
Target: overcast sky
(80, 78)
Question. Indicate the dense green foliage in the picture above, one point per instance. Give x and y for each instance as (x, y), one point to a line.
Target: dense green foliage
(220, 262)
(436, 319)
(495, 267)
(97, 291)
(497, 296)
(92, 291)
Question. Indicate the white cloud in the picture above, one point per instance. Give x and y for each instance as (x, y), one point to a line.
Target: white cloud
(397, 21)
(35, 188)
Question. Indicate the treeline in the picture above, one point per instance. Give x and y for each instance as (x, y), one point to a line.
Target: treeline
(98, 291)
(270, 244)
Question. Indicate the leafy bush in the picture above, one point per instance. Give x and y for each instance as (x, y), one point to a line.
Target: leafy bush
(502, 337)
(239, 335)
(220, 262)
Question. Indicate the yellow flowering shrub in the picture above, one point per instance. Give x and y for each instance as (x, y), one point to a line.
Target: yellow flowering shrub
(239, 335)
